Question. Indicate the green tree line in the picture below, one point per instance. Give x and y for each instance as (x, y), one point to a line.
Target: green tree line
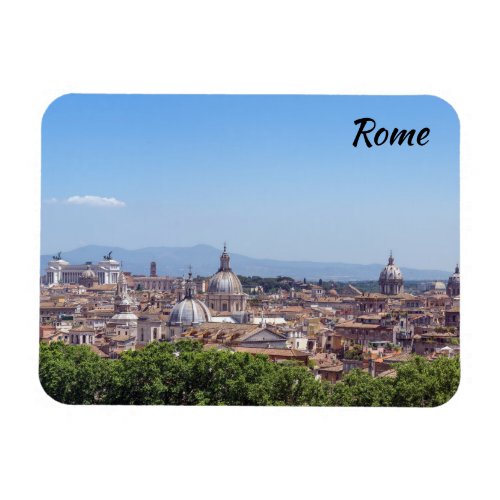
(183, 373)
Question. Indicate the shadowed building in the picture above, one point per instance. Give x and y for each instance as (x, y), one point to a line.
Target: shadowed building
(453, 287)
(152, 269)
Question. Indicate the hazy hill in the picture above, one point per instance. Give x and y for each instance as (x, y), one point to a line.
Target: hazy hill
(174, 261)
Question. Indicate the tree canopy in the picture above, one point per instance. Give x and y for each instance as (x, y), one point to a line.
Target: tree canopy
(183, 373)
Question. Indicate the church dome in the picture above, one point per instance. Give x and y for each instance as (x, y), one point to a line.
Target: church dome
(391, 271)
(453, 287)
(439, 285)
(88, 273)
(391, 278)
(455, 277)
(189, 311)
(224, 280)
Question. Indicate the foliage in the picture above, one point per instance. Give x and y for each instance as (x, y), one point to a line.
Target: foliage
(179, 373)
(74, 374)
(424, 383)
(418, 382)
(269, 285)
(358, 388)
(355, 352)
(183, 373)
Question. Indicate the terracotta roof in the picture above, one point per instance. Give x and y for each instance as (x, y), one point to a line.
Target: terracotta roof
(82, 328)
(399, 357)
(121, 338)
(102, 288)
(374, 295)
(289, 353)
(355, 325)
(98, 351)
(334, 368)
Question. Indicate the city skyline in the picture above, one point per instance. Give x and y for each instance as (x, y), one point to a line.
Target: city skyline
(154, 256)
(140, 171)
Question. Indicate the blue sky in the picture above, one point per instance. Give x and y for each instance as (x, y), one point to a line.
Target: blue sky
(274, 176)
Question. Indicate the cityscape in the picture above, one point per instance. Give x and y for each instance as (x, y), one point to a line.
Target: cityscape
(330, 329)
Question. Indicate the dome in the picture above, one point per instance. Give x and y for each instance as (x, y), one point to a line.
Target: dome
(455, 277)
(439, 285)
(189, 311)
(391, 278)
(88, 273)
(224, 280)
(391, 271)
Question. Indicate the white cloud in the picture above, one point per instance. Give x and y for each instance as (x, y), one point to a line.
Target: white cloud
(94, 201)
(51, 201)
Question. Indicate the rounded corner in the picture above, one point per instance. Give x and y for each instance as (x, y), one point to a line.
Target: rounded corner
(447, 104)
(52, 103)
(453, 395)
(45, 392)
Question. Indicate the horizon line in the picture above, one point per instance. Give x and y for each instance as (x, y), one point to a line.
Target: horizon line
(240, 254)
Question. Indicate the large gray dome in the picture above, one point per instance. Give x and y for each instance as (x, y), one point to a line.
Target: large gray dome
(224, 280)
(188, 312)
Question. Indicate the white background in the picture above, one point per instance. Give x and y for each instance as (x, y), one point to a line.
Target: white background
(443, 48)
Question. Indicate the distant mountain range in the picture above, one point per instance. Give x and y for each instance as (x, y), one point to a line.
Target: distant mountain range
(204, 259)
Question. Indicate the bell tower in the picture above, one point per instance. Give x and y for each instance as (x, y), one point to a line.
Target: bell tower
(152, 269)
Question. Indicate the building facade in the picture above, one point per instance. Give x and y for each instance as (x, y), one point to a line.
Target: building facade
(59, 271)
